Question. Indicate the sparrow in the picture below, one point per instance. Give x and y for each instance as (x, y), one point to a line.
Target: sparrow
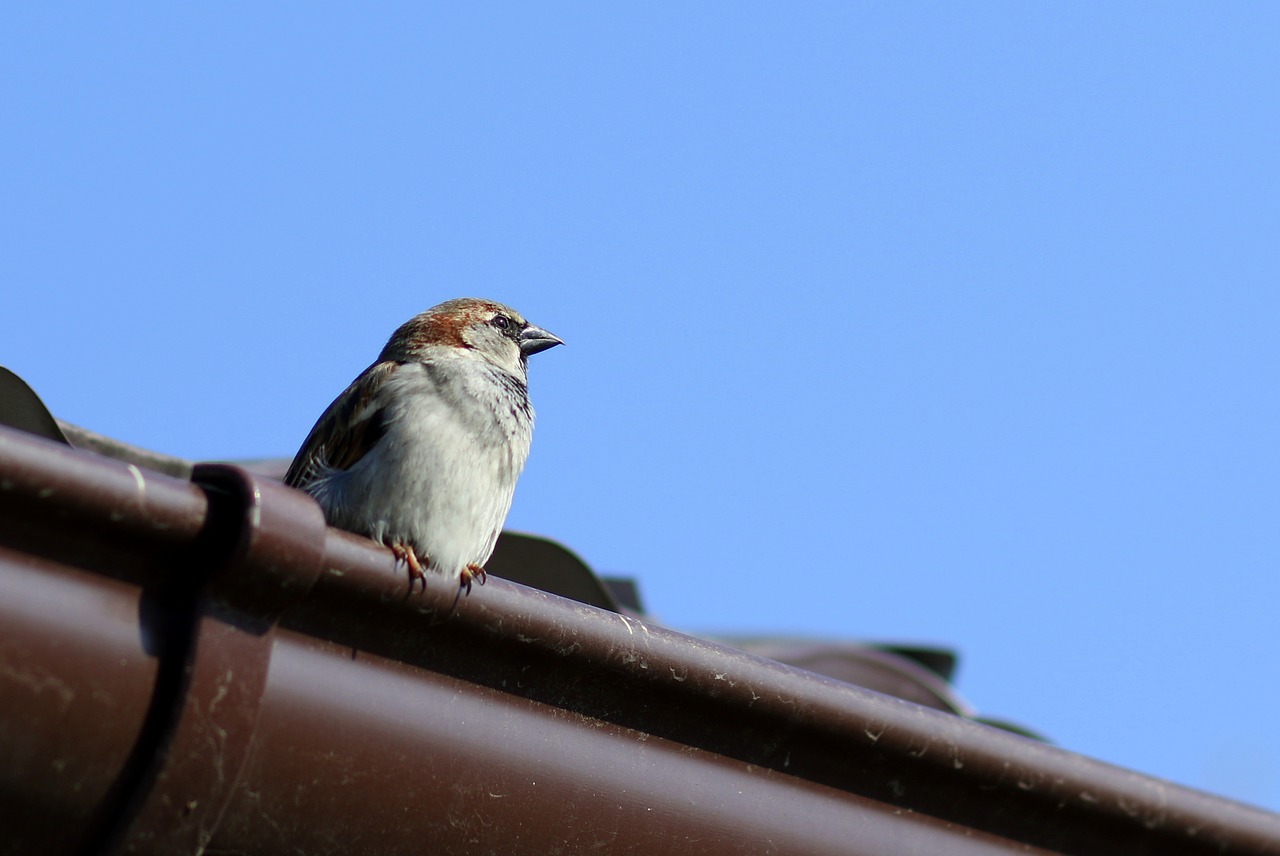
(422, 451)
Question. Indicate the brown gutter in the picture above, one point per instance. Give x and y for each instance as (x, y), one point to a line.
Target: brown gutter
(318, 709)
(92, 628)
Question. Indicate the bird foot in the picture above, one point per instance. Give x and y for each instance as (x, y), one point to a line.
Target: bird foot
(471, 572)
(404, 553)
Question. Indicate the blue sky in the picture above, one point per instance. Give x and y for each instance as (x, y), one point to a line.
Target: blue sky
(919, 322)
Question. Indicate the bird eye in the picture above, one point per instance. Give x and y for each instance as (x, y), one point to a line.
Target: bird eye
(502, 322)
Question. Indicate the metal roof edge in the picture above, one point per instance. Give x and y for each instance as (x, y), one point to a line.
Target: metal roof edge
(321, 702)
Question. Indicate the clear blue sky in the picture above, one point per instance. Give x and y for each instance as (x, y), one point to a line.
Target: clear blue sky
(930, 322)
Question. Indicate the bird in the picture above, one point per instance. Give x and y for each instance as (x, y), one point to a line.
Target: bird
(423, 450)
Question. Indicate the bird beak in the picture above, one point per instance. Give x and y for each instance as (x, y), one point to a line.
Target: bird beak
(534, 339)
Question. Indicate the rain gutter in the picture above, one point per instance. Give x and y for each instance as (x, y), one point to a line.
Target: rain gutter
(203, 667)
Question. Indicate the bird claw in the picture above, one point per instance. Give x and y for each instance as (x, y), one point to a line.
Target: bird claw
(472, 572)
(404, 553)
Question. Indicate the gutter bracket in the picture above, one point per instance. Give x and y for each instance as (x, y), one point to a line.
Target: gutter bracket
(273, 538)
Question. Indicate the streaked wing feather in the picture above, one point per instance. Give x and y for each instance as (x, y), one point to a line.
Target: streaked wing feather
(346, 431)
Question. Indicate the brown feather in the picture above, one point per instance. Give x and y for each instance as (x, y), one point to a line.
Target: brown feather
(346, 431)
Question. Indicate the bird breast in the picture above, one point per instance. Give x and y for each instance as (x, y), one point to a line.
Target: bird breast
(443, 474)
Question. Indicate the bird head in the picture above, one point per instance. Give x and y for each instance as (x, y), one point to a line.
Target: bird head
(487, 329)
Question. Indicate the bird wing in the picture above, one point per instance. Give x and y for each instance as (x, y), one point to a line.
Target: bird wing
(346, 431)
